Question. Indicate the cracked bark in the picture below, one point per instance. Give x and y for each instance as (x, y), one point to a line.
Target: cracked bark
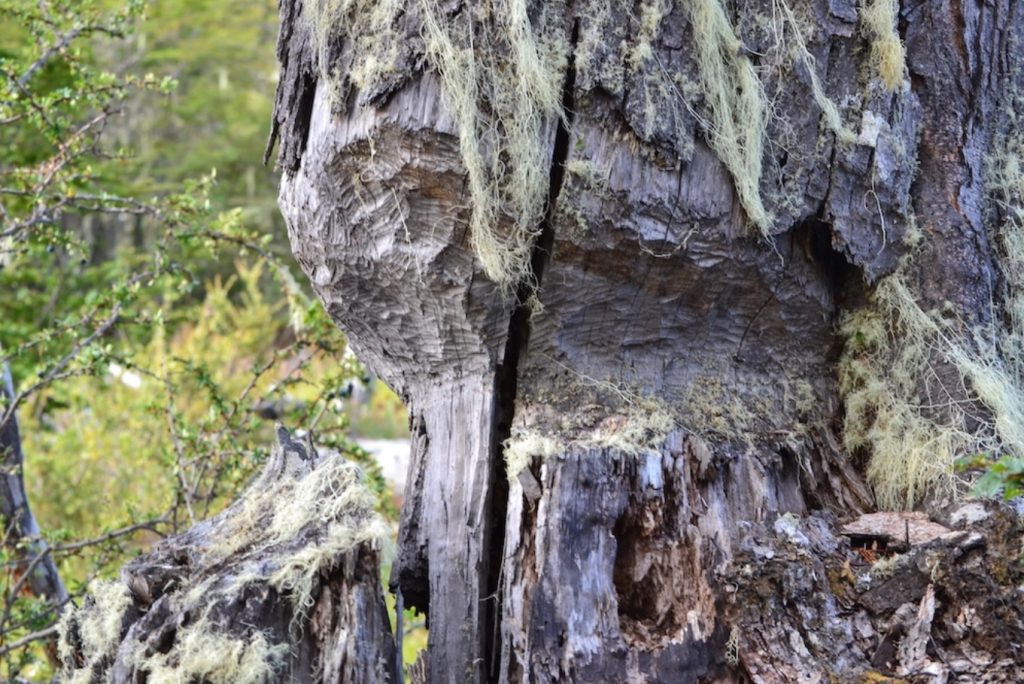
(603, 564)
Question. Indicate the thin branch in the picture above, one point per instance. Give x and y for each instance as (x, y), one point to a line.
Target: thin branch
(41, 574)
(55, 372)
(112, 535)
(47, 633)
(61, 43)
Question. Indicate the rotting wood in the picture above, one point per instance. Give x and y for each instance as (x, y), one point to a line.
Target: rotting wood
(657, 302)
(284, 585)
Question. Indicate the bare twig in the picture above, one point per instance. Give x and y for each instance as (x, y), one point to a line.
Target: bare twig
(47, 633)
(150, 525)
(56, 372)
(59, 45)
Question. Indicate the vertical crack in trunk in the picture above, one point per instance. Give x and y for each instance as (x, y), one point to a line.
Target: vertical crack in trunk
(507, 377)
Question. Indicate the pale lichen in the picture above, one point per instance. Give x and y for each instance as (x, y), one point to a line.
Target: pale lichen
(503, 68)
(920, 394)
(735, 102)
(524, 445)
(786, 19)
(329, 502)
(97, 626)
(505, 94)
(921, 388)
(203, 652)
(888, 56)
(368, 26)
(638, 425)
(291, 528)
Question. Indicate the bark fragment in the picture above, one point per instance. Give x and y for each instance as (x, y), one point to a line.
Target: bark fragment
(807, 606)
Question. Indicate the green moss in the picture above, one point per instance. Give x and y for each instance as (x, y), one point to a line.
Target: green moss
(622, 420)
(571, 217)
(714, 410)
(590, 176)
(875, 677)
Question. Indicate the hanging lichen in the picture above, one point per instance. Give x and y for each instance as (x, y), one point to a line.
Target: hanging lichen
(888, 56)
(736, 104)
(505, 92)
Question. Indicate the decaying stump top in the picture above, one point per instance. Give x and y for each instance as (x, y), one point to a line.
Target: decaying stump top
(281, 586)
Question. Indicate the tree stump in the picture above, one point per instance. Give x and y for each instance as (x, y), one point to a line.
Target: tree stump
(284, 585)
(597, 447)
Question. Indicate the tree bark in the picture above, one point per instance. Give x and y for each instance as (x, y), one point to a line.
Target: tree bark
(36, 570)
(284, 585)
(665, 376)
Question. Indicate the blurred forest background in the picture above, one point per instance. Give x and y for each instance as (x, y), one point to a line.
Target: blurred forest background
(150, 316)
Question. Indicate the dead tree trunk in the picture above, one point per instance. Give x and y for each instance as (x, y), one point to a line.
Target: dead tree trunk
(621, 433)
(283, 586)
(36, 570)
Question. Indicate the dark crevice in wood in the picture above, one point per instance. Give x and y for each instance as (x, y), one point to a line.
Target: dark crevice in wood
(640, 610)
(412, 579)
(844, 279)
(296, 88)
(304, 114)
(655, 556)
(507, 376)
(813, 240)
(902, 22)
(268, 149)
(789, 481)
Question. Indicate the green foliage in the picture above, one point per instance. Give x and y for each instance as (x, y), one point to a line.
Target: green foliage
(200, 377)
(220, 55)
(414, 637)
(382, 416)
(154, 329)
(1004, 477)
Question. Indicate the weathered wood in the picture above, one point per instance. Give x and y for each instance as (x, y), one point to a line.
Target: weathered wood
(421, 314)
(282, 586)
(294, 98)
(671, 388)
(806, 607)
(36, 570)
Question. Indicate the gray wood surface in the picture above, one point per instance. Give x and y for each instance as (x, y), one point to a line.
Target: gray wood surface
(206, 605)
(604, 560)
